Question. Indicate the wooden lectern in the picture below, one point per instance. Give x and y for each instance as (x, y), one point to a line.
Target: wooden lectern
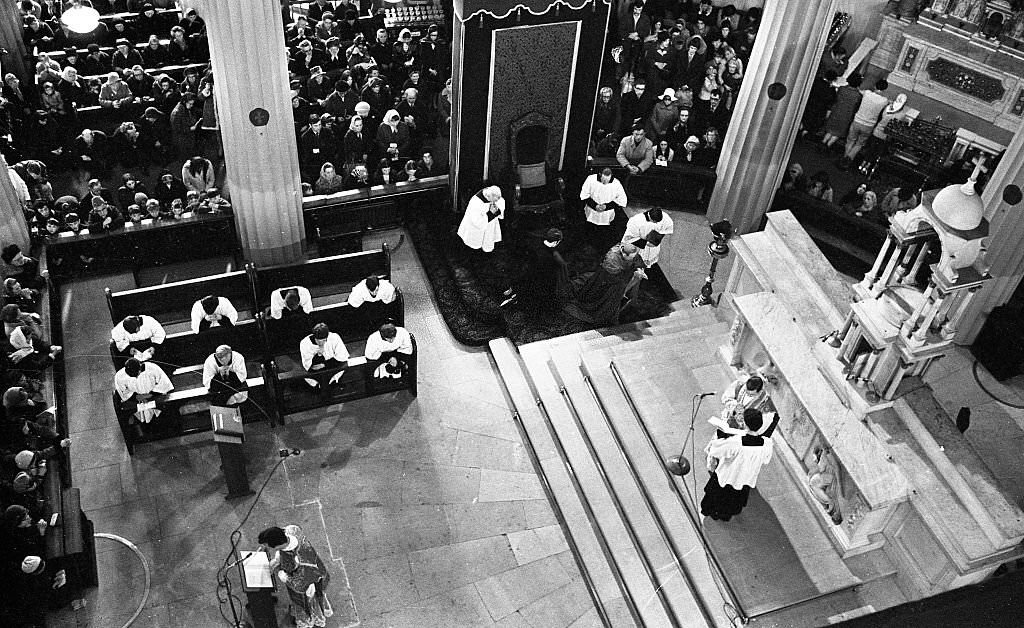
(229, 436)
(258, 584)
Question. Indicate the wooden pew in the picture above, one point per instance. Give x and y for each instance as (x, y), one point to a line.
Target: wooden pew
(337, 221)
(171, 303)
(186, 409)
(675, 183)
(328, 279)
(294, 395)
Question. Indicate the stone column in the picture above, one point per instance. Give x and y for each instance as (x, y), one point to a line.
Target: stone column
(13, 228)
(11, 27)
(255, 117)
(1004, 254)
(764, 125)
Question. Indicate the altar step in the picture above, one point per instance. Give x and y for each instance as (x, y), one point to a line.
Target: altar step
(641, 543)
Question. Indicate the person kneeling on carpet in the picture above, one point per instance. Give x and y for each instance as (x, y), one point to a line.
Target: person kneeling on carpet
(322, 352)
(734, 463)
(543, 277)
(480, 228)
(388, 346)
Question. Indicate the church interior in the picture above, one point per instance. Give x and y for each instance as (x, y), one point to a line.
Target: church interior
(385, 313)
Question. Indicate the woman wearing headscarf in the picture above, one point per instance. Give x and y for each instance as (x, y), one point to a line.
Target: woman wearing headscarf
(358, 143)
(330, 181)
(393, 136)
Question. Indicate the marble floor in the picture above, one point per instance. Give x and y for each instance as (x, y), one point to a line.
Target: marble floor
(427, 508)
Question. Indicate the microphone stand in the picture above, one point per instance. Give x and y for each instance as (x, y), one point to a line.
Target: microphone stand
(680, 465)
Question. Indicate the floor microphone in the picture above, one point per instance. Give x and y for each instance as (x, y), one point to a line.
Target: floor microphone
(708, 394)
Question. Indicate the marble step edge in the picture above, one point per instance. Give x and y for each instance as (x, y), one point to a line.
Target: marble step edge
(1001, 535)
(614, 525)
(659, 333)
(603, 377)
(711, 334)
(679, 528)
(615, 330)
(521, 394)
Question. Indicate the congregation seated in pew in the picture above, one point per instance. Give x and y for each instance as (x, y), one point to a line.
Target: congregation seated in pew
(138, 336)
(324, 357)
(290, 303)
(138, 388)
(212, 311)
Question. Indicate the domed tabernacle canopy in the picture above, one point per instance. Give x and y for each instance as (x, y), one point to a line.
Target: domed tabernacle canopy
(959, 206)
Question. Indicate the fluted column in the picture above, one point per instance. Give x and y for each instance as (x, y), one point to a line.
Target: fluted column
(11, 28)
(763, 128)
(1005, 254)
(13, 228)
(250, 79)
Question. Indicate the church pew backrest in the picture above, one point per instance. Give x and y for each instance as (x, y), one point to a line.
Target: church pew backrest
(282, 337)
(171, 303)
(322, 276)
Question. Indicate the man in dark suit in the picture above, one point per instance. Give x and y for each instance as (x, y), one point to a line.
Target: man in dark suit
(632, 32)
(316, 146)
(712, 113)
(690, 65)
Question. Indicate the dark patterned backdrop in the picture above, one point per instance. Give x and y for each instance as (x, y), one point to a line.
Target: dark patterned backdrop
(532, 72)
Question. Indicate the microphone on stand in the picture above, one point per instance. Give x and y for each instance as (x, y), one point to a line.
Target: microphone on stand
(680, 465)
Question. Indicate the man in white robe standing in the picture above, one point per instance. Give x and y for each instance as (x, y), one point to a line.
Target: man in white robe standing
(480, 228)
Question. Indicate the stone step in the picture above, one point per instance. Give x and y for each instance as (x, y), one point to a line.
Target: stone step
(575, 522)
(628, 329)
(698, 346)
(627, 554)
(920, 409)
(663, 394)
(699, 601)
(665, 327)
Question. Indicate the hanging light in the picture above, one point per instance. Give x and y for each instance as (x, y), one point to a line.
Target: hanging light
(80, 19)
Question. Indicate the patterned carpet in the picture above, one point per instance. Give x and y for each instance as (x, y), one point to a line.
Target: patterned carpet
(469, 288)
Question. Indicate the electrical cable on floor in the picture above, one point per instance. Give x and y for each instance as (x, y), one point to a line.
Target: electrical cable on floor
(977, 379)
(145, 569)
(223, 573)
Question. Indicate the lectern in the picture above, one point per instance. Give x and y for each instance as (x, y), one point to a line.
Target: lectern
(258, 584)
(229, 436)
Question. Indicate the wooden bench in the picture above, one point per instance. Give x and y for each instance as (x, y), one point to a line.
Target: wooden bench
(294, 395)
(171, 303)
(338, 221)
(69, 543)
(328, 279)
(675, 183)
(185, 410)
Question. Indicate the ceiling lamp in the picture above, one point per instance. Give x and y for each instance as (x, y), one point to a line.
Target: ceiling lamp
(80, 19)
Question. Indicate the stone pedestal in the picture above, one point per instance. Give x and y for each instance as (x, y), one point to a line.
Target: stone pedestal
(764, 125)
(13, 228)
(255, 117)
(1004, 252)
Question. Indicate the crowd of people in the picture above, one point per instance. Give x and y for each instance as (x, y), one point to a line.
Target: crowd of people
(30, 440)
(679, 67)
(137, 94)
(368, 106)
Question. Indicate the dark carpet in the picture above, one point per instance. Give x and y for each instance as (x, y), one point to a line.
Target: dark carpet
(468, 288)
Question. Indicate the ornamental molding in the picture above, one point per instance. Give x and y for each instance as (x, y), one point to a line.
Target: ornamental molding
(542, 7)
(966, 80)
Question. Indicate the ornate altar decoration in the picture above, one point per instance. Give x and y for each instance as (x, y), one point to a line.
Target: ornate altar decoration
(966, 53)
(899, 328)
(920, 145)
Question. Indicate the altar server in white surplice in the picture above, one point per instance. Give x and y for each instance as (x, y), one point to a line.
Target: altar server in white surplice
(735, 463)
(480, 228)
